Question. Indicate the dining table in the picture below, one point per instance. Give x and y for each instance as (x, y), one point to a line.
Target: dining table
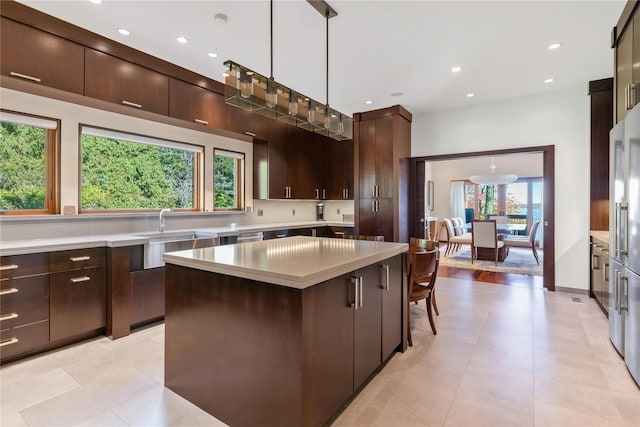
(502, 228)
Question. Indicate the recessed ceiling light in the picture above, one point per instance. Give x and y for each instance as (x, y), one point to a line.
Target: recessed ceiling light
(96, 1)
(181, 39)
(554, 46)
(368, 102)
(213, 54)
(123, 31)
(471, 95)
(397, 94)
(548, 81)
(456, 69)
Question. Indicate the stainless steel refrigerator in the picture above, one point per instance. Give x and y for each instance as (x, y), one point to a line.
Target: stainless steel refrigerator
(624, 241)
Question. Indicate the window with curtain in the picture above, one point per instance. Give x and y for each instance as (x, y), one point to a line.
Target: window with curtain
(124, 171)
(457, 199)
(29, 164)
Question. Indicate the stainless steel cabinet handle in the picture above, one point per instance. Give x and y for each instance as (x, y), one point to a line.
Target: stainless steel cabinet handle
(361, 286)
(605, 272)
(625, 285)
(202, 122)
(80, 279)
(386, 269)
(594, 262)
(625, 241)
(8, 291)
(281, 235)
(355, 281)
(616, 227)
(324, 193)
(251, 134)
(9, 316)
(373, 205)
(131, 104)
(8, 342)
(80, 258)
(317, 193)
(26, 77)
(8, 267)
(616, 286)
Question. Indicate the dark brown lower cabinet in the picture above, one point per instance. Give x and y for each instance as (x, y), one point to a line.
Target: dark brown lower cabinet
(147, 295)
(252, 353)
(78, 302)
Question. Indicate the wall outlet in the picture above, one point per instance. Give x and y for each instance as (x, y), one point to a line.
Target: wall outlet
(293, 212)
(248, 209)
(260, 213)
(338, 212)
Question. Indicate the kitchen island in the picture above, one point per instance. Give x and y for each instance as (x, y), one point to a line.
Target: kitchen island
(281, 332)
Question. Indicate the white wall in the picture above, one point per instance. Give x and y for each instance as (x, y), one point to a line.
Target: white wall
(558, 118)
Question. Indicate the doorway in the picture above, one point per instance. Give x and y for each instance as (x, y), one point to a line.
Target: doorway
(419, 192)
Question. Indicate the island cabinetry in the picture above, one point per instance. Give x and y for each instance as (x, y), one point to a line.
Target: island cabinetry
(36, 56)
(196, 104)
(77, 292)
(24, 304)
(247, 123)
(122, 82)
(294, 356)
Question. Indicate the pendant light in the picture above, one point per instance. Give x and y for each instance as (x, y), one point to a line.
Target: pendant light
(493, 178)
(252, 91)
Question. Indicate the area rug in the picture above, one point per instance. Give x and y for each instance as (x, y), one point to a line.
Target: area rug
(519, 261)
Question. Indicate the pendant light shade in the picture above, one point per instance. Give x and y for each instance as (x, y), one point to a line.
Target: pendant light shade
(252, 91)
(493, 178)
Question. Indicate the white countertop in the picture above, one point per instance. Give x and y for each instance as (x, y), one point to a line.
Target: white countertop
(296, 262)
(29, 246)
(602, 235)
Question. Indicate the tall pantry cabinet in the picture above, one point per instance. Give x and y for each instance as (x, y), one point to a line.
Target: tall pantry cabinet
(382, 147)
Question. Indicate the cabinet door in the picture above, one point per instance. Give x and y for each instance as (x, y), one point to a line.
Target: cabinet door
(596, 273)
(384, 219)
(278, 161)
(367, 158)
(338, 169)
(147, 295)
(367, 218)
(305, 158)
(122, 82)
(636, 47)
(391, 305)
(332, 338)
(367, 350)
(624, 71)
(247, 123)
(78, 302)
(196, 104)
(384, 157)
(33, 55)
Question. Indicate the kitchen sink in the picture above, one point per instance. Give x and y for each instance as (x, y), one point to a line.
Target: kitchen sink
(159, 243)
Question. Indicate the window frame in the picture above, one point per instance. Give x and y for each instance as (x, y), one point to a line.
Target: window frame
(52, 168)
(240, 179)
(198, 163)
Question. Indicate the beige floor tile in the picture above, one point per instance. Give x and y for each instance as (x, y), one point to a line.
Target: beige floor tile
(551, 415)
(464, 415)
(629, 408)
(104, 419)
(20, 390)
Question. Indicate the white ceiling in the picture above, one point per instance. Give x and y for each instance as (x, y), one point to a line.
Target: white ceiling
(375, 47)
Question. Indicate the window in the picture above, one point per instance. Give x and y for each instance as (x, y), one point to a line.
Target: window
(122, 171)
(28, 164)
(229, 180)
(483, 199)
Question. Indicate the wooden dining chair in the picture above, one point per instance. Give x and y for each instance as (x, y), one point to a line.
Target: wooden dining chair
(484, 235)
(525, 241)
(421, 281)
(426, 245)
(454, 241)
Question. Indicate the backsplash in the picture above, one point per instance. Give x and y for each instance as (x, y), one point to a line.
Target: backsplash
(53, 226)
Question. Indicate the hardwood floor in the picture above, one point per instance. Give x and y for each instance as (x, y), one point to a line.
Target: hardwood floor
(494, 277)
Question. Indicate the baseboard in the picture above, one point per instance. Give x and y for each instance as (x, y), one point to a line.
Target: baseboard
(572, 290)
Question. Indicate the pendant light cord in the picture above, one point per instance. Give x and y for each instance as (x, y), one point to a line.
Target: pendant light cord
(271, 35)
(326, 15)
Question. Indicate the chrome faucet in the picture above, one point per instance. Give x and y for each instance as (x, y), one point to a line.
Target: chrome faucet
(162, 212)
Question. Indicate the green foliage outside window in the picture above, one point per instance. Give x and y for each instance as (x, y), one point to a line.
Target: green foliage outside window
(128, 175)
(22, 167)
(225, 182)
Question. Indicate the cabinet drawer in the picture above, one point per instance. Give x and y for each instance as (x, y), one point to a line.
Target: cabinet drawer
(78, 302)
(23, 265)
(23, 289)
(24, 313)
(19, 340)
(122, 82)
(36, 56)
(76, 259)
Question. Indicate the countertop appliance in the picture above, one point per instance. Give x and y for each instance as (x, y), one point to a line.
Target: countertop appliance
(319, 211)
(624, 240)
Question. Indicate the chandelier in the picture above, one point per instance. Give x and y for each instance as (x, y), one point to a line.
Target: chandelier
(254, 92)
(493, 178)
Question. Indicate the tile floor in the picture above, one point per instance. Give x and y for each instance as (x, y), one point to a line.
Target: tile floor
(503, 356)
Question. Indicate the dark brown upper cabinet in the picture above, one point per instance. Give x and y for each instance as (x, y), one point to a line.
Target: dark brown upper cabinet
(36, 56)
(196, 104)
(122, 82)
(247, 123)
(626, 44)
(338, 169)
